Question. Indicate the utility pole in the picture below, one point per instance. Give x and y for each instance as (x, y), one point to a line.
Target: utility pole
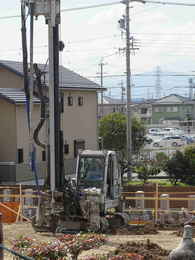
(102, 85)
(122, 91)
(190, 89)
(125, 25)
(122, 95)
(158, 83)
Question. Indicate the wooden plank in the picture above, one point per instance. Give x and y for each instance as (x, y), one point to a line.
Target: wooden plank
(156, 204)
(153, 198)
(18, 196)
(15, 212)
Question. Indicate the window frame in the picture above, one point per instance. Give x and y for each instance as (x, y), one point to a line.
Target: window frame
(70, 101)
(80, 100)
(20, 155)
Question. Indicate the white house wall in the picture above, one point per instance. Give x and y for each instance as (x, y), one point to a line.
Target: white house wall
(80, 122)
(23, 140)
(77, 122)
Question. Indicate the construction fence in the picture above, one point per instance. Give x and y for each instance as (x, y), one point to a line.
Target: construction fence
(19, 202)
(146, 204)
(160, 204)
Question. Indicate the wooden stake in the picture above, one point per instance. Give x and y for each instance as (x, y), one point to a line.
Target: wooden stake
(1, 237)
(156, 204)
(21, 203)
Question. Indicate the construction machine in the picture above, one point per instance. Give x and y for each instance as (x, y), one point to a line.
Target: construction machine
(90, 202)
(93, 201)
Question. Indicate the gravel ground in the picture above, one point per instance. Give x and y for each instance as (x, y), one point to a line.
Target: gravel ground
(165, 239)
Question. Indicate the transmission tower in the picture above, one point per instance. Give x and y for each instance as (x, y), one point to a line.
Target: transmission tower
(158, 87)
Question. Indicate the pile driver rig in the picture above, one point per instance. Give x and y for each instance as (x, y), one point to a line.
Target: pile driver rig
(93, 201)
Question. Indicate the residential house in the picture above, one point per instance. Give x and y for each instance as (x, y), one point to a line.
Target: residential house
(142, 109)
(78, 121)
(110, 105)
(172, 108)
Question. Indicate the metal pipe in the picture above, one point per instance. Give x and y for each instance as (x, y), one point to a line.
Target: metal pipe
(52, 158)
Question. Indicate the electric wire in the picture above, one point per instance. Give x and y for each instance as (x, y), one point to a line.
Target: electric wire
(109, 4)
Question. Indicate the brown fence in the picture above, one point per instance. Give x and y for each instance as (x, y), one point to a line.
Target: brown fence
(157, 200)
(151, 189)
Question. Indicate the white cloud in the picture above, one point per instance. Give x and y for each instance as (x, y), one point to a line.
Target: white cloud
(166, 35)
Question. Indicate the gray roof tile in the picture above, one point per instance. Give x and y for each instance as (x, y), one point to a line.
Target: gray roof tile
(67, 78)
(16, 96)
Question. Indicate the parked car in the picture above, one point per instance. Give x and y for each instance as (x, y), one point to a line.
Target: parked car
(192, 139)
(188, 139)
(172, 131)
(154, 130)
(170, 141)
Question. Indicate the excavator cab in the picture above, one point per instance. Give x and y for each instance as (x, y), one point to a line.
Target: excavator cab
(91, 171)
(98, 171)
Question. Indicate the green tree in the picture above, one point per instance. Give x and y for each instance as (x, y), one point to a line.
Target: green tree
(112, 129)
(176, 167)
(138, 134)
(189, 174)
(146, 169)
(161, 160)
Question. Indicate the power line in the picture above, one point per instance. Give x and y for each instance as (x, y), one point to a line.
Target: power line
(144, 75)
(108, 4)
(169, 3)
(89, 7)
(70, 9)
(159, 33)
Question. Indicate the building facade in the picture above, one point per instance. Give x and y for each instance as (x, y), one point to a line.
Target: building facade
(78, 120)
(172, 108)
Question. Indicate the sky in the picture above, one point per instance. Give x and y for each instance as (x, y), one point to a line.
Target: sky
(165, 36)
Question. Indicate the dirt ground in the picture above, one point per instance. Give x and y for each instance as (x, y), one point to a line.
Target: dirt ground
(166, 239)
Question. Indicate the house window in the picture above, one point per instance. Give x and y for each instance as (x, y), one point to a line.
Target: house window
(78, 145)
(20, 155)
(114, 110)
(44, 156)
(70, 101)
(80, 101)
(144, 110)
(175, 109)
(66, 148)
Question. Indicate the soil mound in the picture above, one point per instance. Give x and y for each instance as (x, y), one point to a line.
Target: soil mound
(149, 229)
(148, 250)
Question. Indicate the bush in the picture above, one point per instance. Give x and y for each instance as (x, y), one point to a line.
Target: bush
(181, 166)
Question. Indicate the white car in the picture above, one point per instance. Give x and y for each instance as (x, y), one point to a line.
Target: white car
(172, 131)
(170, 141)
(153, 130)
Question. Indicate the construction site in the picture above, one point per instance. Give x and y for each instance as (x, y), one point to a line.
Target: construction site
(155, 226)
(93, 213)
